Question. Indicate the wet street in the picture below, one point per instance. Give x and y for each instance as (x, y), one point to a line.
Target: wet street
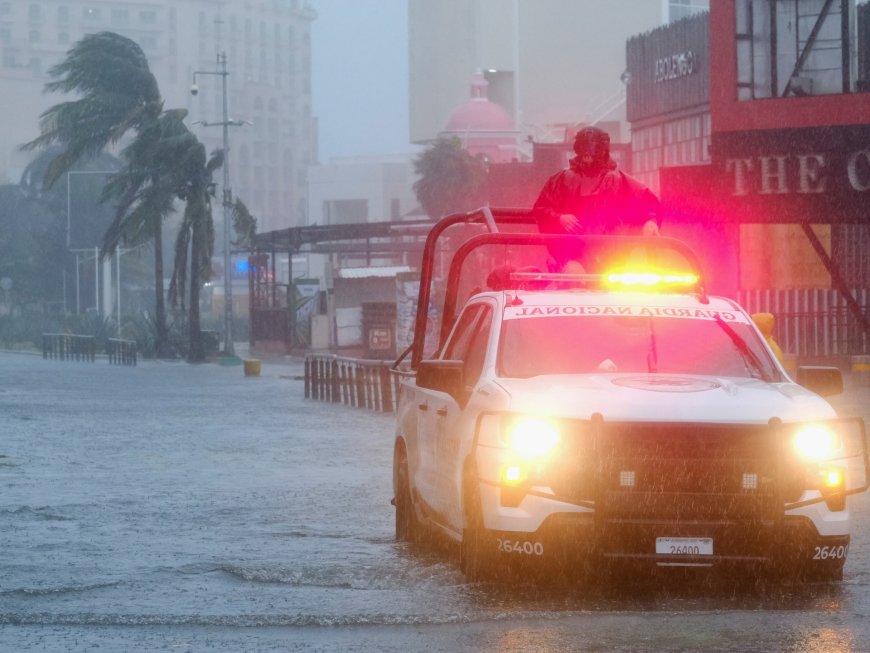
(175, 507)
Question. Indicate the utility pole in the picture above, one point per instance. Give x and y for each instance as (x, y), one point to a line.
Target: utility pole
(226, 195)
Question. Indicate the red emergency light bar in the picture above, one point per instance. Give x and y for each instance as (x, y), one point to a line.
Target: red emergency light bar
(625, 280)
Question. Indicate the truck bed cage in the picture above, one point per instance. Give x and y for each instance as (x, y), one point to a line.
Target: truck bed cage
(491, 218)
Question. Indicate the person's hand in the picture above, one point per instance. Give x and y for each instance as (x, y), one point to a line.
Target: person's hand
(570, 223)
(650, 228)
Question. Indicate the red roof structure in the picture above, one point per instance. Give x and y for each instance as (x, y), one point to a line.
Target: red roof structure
(482, 126)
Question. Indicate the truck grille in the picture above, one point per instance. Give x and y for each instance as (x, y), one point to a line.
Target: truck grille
(676, 472)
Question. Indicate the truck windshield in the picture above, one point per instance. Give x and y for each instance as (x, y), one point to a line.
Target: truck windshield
(611, 343)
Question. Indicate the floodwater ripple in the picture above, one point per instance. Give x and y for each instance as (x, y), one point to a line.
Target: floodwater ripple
(178, 506)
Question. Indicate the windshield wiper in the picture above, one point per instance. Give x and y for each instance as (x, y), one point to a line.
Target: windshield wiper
(750, 358)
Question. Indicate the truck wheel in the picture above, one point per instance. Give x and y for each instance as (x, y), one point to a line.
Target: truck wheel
(473, 559)
(407, 526)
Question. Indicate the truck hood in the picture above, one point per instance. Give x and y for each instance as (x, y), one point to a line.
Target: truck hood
(665, 398)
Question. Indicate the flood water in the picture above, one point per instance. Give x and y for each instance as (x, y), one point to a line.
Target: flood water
(187, 508)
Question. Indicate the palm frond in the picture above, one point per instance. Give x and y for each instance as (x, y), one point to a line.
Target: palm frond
(244, 224)
(105, 62)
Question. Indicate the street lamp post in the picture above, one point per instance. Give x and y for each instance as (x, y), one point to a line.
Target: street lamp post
(227, 196)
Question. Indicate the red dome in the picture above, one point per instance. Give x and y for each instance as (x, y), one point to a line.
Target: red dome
(479, 114)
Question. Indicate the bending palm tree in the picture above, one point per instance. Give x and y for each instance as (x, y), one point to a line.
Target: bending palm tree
(196, 234)
(160, 167)
(118, 93)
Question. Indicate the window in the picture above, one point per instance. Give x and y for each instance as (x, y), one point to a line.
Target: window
(460, 339)
(35, 12)
(91, 13)
(634, 344)
(63, 15)
(148, 17)
(469, 340)
(678, 9)
(793, 49)
(476, 355)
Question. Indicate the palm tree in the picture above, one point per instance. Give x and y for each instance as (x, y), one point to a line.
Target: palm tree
(194, 245)
(164, 163)
(117, 94)
(451, 180)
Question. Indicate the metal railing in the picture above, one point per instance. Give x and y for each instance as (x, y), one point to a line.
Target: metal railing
(121, 352)
(68, 346)
(357, 382)
(812, 322)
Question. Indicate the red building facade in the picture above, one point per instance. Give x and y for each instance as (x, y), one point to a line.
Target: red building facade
(753, 121)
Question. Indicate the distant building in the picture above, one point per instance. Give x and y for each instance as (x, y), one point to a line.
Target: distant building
(268, 51)
(548, 63)
(360, 189)
(752, 122)
(483, 127)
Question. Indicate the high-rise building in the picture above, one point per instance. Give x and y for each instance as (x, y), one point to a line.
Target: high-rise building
(550, 63)
(268, 54)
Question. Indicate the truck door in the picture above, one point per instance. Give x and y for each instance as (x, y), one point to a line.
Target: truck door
(444, 423)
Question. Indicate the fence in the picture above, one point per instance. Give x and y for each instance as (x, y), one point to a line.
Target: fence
(121, 352)
(355, 382)
(812, 322)
(66, 346)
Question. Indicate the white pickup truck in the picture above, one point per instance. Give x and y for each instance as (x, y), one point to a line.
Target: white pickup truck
(614, 416)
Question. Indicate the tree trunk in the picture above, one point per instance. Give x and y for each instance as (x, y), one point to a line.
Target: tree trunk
(195, 353)
(161, 347)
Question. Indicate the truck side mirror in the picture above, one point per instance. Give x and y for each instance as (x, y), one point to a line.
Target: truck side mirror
(443, 375)
(824, 381)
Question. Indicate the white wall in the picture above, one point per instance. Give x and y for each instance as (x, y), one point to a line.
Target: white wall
(377, 181)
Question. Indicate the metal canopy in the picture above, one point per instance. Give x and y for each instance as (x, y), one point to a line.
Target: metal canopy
(341, 238)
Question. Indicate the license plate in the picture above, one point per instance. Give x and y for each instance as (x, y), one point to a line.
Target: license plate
(685, 546)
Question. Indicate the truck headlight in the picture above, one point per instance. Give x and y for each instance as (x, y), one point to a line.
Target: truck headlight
(816, 442)
(532, 437)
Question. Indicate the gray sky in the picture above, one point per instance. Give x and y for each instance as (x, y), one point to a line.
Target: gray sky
(360, 76)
